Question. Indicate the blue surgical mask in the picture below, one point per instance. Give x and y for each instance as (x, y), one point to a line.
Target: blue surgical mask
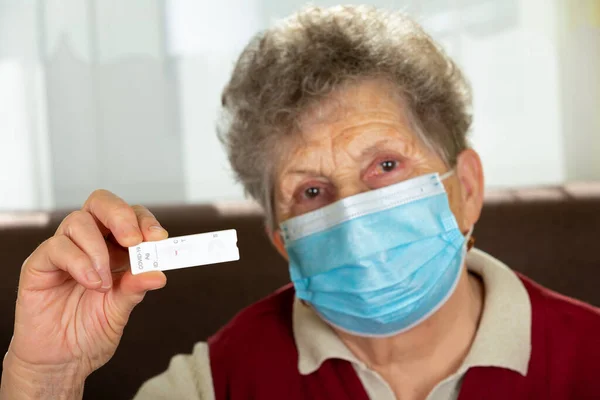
(380, 262)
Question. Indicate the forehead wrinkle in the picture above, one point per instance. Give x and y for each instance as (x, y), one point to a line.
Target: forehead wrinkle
(365, 138)
(310, 157)
(332, 122)
(329, 144)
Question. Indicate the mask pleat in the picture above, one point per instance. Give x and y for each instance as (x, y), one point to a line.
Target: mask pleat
(382, 272)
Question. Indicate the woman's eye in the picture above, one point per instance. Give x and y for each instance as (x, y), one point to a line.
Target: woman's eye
(312, 192)
(388, 165)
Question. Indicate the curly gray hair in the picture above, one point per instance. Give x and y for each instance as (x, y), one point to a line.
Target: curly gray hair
(292, 66)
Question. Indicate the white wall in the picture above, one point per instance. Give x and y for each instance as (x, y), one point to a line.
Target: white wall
(124, 95)
(17, 179)
(534, 69)
(23, 140)
(204, 42)
(517, 112)
(111, 97)
(68, 63)
(579, 40)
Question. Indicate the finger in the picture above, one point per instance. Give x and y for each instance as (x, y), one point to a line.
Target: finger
(119, 258)
(131, 291)
(81, 228)
(134, 285)
(149, 225)
(54, 261)
(116, 215)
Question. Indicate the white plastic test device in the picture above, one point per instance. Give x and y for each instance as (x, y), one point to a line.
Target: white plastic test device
(184, 251)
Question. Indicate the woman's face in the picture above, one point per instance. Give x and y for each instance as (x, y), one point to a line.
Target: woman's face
(359, 140)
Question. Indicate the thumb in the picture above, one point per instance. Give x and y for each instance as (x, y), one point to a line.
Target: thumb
(131, 289)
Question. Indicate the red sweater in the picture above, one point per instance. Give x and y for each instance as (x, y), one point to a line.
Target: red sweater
(255, 357)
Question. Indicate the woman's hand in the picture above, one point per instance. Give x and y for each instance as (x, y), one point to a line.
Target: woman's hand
(76, 292)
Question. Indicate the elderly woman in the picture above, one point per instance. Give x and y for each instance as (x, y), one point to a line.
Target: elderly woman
(349, 125)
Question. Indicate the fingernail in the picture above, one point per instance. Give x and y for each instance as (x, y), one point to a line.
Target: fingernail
(92, 276)
(157, 228)
(106, 279)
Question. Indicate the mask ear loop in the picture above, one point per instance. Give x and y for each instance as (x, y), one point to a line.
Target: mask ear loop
(446, 175)
(469, 236)
(470, 239)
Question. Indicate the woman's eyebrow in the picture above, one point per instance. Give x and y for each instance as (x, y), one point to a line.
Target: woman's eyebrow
(391, 144)
(395, 144)
(301, 171)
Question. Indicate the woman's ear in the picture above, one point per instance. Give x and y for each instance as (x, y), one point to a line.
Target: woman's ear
(277, 240)
(470, 174)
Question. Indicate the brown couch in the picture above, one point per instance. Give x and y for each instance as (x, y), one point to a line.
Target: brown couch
(550, 234)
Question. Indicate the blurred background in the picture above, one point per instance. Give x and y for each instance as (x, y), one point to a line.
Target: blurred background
(123, 95)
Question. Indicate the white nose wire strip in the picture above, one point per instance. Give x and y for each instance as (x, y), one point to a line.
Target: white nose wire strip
(351, 208)
(362, 198)
(184, 251)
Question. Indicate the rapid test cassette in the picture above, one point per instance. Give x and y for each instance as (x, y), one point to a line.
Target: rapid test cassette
(184, 251)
